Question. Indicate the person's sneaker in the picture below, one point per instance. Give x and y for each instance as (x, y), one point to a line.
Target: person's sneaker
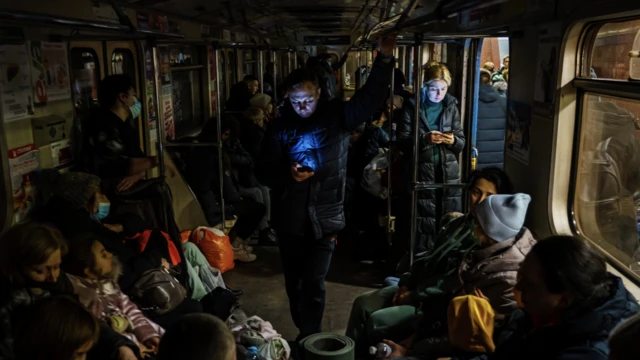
(239, 243)
(242, 255)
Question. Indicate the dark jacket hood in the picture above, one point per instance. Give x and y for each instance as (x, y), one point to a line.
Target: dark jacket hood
(488, 93)
(605, 317)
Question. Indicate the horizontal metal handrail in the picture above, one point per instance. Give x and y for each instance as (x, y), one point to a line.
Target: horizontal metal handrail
(433, 186)
(203, 144)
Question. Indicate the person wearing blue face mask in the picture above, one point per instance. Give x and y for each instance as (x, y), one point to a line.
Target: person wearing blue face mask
(110, 144)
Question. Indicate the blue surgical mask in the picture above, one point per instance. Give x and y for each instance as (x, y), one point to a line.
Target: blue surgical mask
(136, 109)
(103, 211)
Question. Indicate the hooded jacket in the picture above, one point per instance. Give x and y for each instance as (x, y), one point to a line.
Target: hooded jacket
(320, 142)
(494, 270)
(582, 337)
(492, 120)
(104, 299)
(451, 200)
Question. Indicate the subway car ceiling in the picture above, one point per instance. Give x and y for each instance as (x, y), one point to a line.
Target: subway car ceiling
(290, 28)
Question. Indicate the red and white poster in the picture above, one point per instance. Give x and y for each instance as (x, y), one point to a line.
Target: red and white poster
(49, 71)
(167, 113)
(22, 162)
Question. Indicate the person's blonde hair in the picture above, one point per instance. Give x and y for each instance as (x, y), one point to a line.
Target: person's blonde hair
(485, 77)
(28, 244)
(54, 328)
(505, 75)
(255, 114)
(437, 72)
(489, 66)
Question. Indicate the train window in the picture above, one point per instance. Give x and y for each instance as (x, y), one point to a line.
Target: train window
(608, 176)
(85, 69)
(606, 199)
(122, 62)
(187, 74)
(250, 62)
(610, 53)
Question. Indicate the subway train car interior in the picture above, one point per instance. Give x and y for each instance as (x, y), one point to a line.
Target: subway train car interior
(326, 180)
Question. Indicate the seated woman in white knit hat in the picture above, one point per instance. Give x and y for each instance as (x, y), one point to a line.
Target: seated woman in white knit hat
(489, 270)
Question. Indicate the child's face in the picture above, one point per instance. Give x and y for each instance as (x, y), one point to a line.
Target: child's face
(103, 259)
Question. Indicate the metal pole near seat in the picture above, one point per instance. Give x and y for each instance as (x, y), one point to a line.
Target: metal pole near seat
(417, 65)
(275, 81)
(390, 219)
(219, 131)
(261, 70)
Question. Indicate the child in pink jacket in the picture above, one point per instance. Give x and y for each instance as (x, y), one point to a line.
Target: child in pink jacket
(93, 271)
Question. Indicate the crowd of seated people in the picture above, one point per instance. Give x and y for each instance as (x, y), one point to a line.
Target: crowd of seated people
(79, 254)
(488, 290)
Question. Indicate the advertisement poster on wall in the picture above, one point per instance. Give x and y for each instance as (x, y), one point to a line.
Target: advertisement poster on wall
(150, 88)
(152, 21)
(167, 113)
(22, 162)
(49, 72)
(547, 68)
(61, 152)
(15, 82)
(518, 131)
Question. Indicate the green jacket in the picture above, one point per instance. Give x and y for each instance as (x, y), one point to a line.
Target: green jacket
(437, 272)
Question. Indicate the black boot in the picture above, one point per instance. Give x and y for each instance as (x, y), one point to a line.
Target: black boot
(268, 237)
(236, 293)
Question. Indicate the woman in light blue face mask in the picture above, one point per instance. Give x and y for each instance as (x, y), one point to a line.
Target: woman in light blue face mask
(99, 208)
(136, 108)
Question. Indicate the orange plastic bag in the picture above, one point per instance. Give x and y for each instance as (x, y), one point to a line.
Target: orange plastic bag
(215, 246)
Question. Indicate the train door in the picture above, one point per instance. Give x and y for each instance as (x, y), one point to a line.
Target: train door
(121, 57)
(489, 103)
(87, 69)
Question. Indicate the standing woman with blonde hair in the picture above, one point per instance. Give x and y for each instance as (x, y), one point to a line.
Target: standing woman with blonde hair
(441, 141)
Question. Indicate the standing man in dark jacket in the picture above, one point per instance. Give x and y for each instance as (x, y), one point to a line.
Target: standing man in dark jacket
(492, 123)
(304, 161)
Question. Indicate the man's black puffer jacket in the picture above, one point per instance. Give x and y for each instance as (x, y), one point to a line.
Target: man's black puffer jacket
(320, 142)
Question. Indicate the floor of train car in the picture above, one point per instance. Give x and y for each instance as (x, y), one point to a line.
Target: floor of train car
(264, 294)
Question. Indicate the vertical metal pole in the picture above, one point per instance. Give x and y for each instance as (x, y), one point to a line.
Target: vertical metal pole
(295, 59)
(417, 56)
(289, 68)
(390, 228)
(261, 70)
(275, 81)
(160, 124)
(160, 128)
(219, 131)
